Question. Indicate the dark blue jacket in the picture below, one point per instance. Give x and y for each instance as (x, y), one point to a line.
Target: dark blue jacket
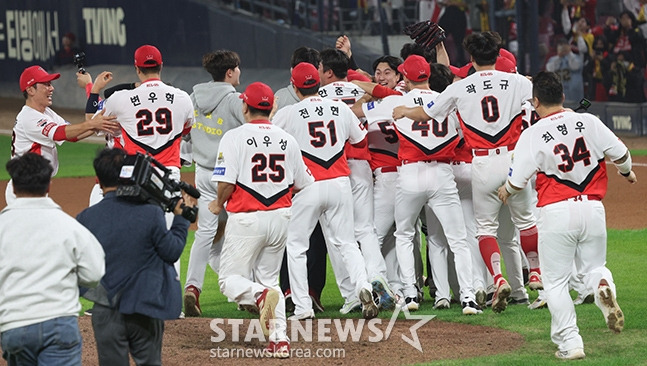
(140, 253)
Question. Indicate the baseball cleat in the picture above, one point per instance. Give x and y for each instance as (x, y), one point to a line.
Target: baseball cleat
(386, 299)
(289, 303)
(500, 298)
(471, 308)
(316, 303)
(191, 301)
(481, 298)
(521, 301)
(410, 304)
(539, 303)
(369, 308)
(588, 299)
(442, 304)
(253, 309)
(310, 314)
(612, 314)
(534, 281)
(278, 349)
(574, 354)
(351, 306)
(267, 303)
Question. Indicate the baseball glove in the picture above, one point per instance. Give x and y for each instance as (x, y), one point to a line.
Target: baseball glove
(426, 34)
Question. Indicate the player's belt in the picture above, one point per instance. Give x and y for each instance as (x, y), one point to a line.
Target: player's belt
(584, 197)
(495, 151)
(405, 162)
(386, 169)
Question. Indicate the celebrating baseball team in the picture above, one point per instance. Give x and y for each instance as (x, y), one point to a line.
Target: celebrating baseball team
(487, 163)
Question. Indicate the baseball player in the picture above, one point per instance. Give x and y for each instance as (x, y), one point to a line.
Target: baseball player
(426, 149)
(259, 167)
(39, 129)
(153, 116)
(492, 131)
(333, 71)
(216, 109)
(316, 254)
(322, 127)
(567, 150)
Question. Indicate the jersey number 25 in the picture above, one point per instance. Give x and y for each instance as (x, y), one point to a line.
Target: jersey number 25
(262, 161)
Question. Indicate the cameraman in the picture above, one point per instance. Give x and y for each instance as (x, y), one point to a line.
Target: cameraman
(141, 285)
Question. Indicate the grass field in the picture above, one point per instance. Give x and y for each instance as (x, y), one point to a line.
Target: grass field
(626, 258)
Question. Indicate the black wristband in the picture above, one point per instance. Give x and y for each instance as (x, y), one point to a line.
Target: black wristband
(92, 105)
(625, 174)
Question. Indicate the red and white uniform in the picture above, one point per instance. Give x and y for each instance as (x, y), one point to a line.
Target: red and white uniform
(567, 150)
(264, 162)
(361, 181)
(489, 106)
(34, 132)
(321, 127)
(153, 118)
(426, 179)
(383, 144)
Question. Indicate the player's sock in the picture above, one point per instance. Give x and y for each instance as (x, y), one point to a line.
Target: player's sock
(529, 247)
(491, 255)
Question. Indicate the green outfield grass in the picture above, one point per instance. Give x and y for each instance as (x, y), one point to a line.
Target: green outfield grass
(626, 259)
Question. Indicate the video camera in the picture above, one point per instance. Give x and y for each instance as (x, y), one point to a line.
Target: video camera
(79, 61)
(144, 179)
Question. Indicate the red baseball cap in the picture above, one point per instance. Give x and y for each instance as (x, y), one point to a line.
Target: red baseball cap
(508, 55)
(148, 56)
(505, 65)
(259, 95)
(35, 74)
(462, 72)
(354, 75)
(415, 68)
(305, 75)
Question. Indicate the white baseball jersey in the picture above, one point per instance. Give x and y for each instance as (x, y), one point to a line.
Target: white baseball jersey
(34, 132)
(153, 118)
(383, 141)
(321, 127)
(424, 140)
(567, 151)
(348, 93)
(489, 107)
(265, 164)
(344, 91)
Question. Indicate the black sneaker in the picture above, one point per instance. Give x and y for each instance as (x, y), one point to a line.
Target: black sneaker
(513, 301)
(471, 308)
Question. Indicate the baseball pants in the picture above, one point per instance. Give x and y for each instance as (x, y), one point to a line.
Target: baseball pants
(204, 249)
(430, 184)
(316, 260)
(571, 231)
(361, 182)
(329, 202)
(253, 248)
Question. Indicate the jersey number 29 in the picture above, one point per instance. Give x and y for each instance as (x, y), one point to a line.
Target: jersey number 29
(162, 117)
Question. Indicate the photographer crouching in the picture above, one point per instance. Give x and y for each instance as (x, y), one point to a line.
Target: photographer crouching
(140, 288)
